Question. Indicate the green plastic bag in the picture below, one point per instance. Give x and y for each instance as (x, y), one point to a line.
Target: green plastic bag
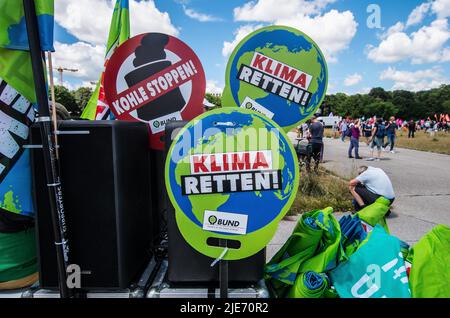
(313, 246)
(376, 270)
(374, 214)
(430, 264)
(312, 285)
(17, 255)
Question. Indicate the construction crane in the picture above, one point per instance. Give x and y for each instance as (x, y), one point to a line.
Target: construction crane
(61, 69)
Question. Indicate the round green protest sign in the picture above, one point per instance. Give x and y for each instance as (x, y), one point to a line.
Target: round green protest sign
(277, 71)
(231, 174)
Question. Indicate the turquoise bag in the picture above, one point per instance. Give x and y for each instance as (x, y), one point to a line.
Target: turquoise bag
(375, 270)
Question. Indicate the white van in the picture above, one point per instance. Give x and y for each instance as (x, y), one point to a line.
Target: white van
(329, 121)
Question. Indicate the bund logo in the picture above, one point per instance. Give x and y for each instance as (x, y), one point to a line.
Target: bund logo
(212, 220)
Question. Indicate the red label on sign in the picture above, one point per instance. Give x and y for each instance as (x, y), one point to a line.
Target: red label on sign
(155, 78)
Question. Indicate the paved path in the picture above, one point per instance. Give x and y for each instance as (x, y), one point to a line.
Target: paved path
(421, 182)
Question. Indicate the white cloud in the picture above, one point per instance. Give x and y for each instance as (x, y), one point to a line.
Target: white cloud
(414, 81)
(364, 90)
(271, 10)
(191, 13)
(418, 14)
(86, 58)
(352, 79)
(213, 87)
(332, 30)
(145, 17)
(89, 20)
(423, 46)
(441, 8)
(91, 84)
(239, 34)
(396, 28)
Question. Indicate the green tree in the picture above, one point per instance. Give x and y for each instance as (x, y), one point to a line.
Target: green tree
(82, 96)
(446, 107)
(379, 92)
(405, 102)
(336, 104)
(216, 100)
(382, 109)
(65, 97)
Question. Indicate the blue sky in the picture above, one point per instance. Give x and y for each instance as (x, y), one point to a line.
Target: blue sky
(408, 49)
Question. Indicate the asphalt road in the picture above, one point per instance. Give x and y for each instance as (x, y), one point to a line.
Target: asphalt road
(421, 183)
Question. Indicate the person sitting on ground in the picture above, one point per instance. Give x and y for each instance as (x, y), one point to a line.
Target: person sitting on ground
(316, 139)
(370, 184)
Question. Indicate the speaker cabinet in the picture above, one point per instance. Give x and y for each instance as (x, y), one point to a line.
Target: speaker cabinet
(105, 175)
(186, 265)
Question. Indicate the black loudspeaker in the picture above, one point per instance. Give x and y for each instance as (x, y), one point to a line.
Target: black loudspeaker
(186, 265)
(105, 177)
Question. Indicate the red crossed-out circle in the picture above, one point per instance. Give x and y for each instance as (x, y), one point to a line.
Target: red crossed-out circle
(194, 103)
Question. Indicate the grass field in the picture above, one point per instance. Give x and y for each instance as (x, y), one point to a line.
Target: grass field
(318, 191)
(440, 143)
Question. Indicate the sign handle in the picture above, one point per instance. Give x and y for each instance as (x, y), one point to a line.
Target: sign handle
(223, 272)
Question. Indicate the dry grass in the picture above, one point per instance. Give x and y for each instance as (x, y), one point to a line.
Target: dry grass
(440, 143)
(320, 191)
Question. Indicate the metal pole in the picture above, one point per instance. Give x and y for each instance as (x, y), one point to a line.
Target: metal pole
(223, 272)
(49, 149)
(52, 94)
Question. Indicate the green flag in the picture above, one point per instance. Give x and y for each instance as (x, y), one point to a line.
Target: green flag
(17, 97)
(119, 32)
(13, 30)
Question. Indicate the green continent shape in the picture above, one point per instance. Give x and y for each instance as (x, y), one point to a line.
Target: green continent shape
(200, 203)
(9, 203)
(245, 88)
(306, 61)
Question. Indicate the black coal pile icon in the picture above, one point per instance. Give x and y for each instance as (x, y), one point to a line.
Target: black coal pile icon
(151, 59)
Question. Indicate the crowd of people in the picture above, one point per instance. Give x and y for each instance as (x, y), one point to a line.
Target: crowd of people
(371, 182)
(381, 134)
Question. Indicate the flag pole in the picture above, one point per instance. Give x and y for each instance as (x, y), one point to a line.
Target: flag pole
(52, 94)
(49, 149)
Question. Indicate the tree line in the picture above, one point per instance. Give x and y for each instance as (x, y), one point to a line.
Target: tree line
(378, 102)
(381, 103)
(73, 100)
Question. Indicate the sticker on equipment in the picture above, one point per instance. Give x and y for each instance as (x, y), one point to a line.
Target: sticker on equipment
(249, 103)
(225, 222)
(159, 124)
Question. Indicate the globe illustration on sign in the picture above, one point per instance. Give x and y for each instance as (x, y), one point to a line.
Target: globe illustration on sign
(286, 46)
(263, 208)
